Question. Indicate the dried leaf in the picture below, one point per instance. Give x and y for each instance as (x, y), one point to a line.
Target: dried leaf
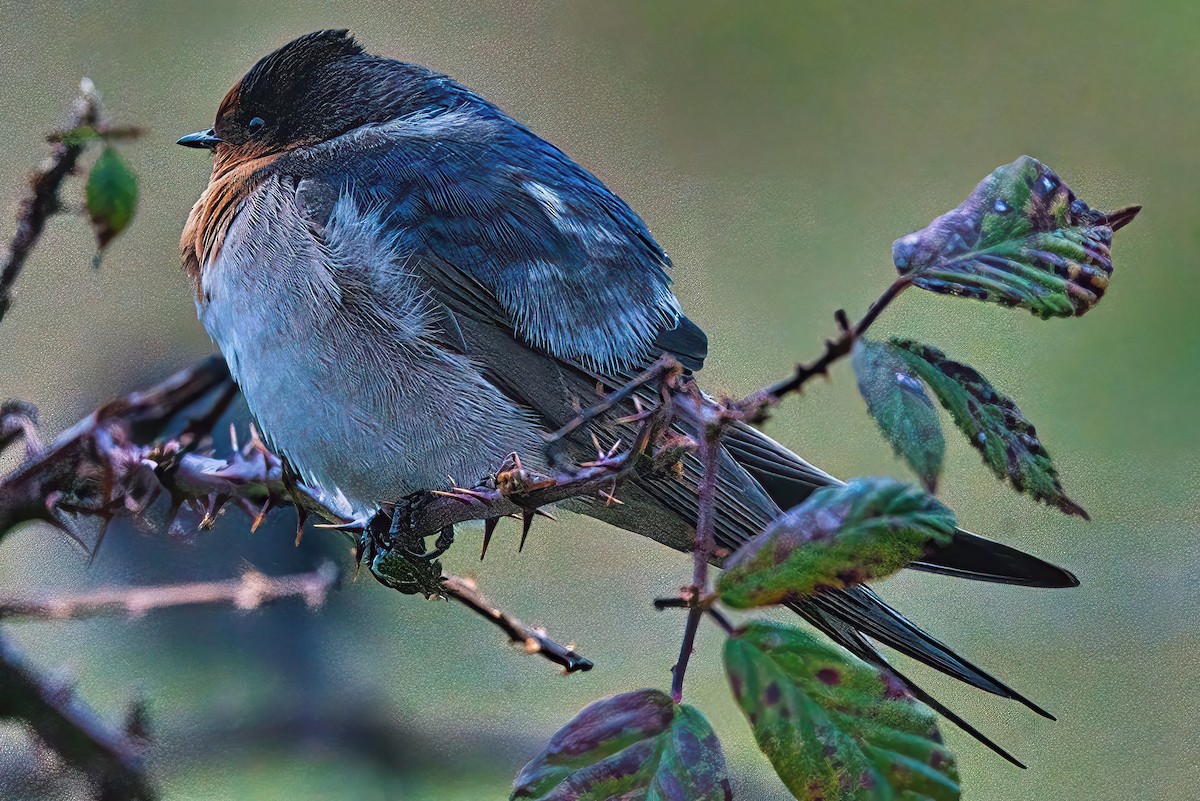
(637, 746)
(902, 408)
(1022, 238)
(839, 536)
(992, 423)
(834, 727)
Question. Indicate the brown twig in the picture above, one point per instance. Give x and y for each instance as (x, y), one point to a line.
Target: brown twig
(250, 591)
(756, 406)
(41, 201)
(702, 547)
(535, 641)
(112, 758)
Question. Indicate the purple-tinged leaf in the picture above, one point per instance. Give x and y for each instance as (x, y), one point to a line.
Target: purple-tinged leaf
(840, 536)
(1021, 238)
(637, 746)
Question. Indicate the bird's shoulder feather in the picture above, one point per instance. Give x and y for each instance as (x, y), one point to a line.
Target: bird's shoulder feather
(509, 228)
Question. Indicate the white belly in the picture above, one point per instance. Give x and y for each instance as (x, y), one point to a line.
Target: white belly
(331, 347)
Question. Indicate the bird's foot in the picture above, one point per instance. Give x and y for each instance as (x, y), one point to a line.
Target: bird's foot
(402, 536)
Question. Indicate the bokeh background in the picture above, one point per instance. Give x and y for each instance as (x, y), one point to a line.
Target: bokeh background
(776, 150)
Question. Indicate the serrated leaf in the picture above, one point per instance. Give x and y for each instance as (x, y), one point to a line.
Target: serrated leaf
(637, 746)
(902, 408)
(839, 536)
(833, 727)
(111, 196)
(992, 423)
(1021, 238)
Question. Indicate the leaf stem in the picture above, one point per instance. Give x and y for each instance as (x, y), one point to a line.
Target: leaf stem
(756, 406)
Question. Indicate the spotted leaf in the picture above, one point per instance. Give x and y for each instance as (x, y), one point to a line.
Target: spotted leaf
(902, 408)
(1021, 238)
(638, 746)
(834, 727)
(992, 422)
(839, 536)
(111, 196)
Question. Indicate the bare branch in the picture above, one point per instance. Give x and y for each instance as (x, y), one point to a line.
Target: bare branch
(250, 591)
(41, 201)
(111, 757)
(535, 641)
(756, 406)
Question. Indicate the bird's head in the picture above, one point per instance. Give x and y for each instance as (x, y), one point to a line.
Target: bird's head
(310, 90)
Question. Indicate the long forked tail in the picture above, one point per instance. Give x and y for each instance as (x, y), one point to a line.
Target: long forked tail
(857, 618)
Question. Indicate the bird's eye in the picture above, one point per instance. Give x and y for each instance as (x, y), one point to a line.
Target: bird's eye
(255, 123)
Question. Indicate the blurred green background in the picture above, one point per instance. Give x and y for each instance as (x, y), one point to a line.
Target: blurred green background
(776, 150)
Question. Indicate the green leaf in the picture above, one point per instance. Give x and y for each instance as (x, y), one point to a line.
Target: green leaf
(111, 195)
(992, 423)
(902, 408)
(638, 746)
(839, 536)
(78, 136)
(1022, 238)
(834, 727)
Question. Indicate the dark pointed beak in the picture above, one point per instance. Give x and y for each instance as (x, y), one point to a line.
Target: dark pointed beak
(205, 139)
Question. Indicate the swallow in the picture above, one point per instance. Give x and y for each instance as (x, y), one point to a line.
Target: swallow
(409, 285)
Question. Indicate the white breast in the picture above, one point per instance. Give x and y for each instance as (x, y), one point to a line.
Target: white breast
(329, 338)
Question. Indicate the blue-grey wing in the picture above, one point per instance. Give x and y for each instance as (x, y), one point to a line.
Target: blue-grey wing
(506, 227)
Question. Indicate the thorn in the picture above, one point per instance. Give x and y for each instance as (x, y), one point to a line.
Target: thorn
(246, 507)
(99, 539)
(489, 528)
(517, 462)
(233, 438)
(613, 450)
(262, 514)
(527, 516)
(461, 494)
(610, 496)
(596, 442)
(212, 507)
(301, 518)
(545, 514)
(350, 525)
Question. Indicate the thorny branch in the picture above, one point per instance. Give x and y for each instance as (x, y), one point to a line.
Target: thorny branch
(711, 420)
(110, 463)
(702, 552)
